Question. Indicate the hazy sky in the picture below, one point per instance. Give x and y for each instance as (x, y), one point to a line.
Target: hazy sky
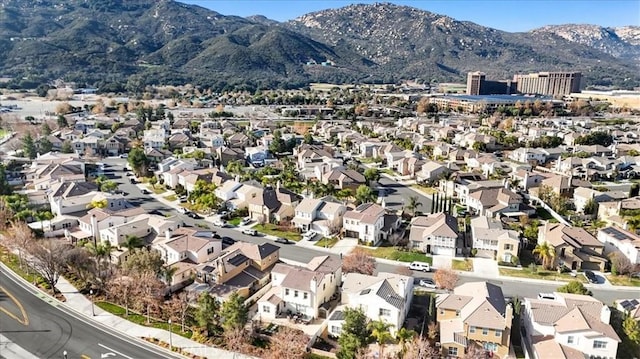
(509, 15)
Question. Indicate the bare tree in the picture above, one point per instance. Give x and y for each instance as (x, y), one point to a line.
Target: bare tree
(474, 351)
(236, 339)
(151, 292)
(288, 343)
(432, 330)
(21, 238)
(445, 279)
(48, 260)
(420, 348)
(123, 289)
(620, 264)
(358, 261)
(80, 264)
(179, 306)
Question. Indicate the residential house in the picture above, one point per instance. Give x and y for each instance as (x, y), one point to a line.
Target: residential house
(526, 179)
(340, 177)
(528, 155)
(431, 172)
(493, 241)
(582, 196)
(154, 138)
(369, 223)
(408, 166)
(114, 145)
(575, 248)
(44, 177)
(256, 155)
(228, 154)
(435, 234)
(493, 202)
(238, 140)
(271, 203)
(179, 140)
(324, 216)
(563, 325)
(189, 178)
(302, 291)
(194, 244)
(474, 313)
(385, 296)
(72, 197)
(630, 307)
(621, 242)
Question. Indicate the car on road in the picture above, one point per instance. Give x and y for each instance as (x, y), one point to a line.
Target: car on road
(124, 155)
(228, 241)
(250, 232)
(245, 221)
(133, 180)
(427, 283)
(420, 266)
(219, 222)
(144, 191)
(156, 212)
(182, 210)
(282, 240)
(194, 215)
(591, 276)
(129, 174)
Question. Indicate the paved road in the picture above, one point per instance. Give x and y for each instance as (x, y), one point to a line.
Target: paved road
(510, 287)
(48, 329)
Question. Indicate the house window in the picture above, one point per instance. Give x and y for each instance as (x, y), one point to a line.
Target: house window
(457, 313)
(305, 295)
(324, 286)
(336, 330)
(485, 331)
(498, 333)
(508, 247)
(286, 291)
(295, 294)
(266, 309)
(472, 329)
(570, 339)
(441, 311)
(384, 312)
(453, 351)
(599, 344)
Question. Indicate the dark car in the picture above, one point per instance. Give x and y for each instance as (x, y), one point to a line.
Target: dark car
(156, 212)
(144, 191)
(133, 180)
(194, 215)
(282, 240)
(228, 241)
(591, 276)
(216, 235)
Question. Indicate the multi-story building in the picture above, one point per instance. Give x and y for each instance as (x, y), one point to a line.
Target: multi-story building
(620, 241)
(435, 234)
(548, 83)
(475, 81)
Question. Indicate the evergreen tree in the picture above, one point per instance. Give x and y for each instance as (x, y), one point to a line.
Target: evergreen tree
(29, 146)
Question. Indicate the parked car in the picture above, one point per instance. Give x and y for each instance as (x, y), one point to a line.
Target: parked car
(182, 210)
(194, 215)
(228, 241)
(133, 180)
(124, 155)
(420, 266)
(427, 283)
(307, 236)
(144, 191)
(219, 223)
(250, 232)
(591, 276)
(245, 221)
(283, 240)
(156, 212)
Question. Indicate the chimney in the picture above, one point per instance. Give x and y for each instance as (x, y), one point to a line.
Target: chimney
(94, 228)
(401, 288)
(167, 234)
(525, 185)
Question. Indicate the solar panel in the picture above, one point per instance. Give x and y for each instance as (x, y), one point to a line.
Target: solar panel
(237, 260)
(634, 302)
(366, 291)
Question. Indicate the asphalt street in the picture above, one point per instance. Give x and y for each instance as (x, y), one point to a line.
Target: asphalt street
(510, 287)
(397, 196)
(47, 329)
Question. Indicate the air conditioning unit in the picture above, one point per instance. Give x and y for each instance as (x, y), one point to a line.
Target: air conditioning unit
(438, 344)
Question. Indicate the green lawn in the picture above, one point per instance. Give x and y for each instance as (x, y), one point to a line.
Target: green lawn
(398, 255)
(171, 197)
(624, 280)
(235, 221)
(274, 230)
(3, 132)
(424, 189)
(156, 189)
(541, 274)
(141, 319)
(388, 171)
(462, 264)
(327, 242)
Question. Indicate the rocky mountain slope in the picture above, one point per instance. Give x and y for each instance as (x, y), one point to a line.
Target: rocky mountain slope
(141, 42)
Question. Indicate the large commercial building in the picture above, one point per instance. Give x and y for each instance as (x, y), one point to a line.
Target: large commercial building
(485, 103)
(475, 80)
(548, 83)
(477, 84)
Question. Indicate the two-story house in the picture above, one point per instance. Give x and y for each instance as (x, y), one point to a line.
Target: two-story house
(324, 216)
(340, 177)
(492, 202)
(435, 234)
(386, 297)
(622, 242)
(575, 247)
(301, 291)
(272, 204)
(563, 325)
(72, 197)
(474, 313)
(197, 245)
(366, 223)
(493, 241)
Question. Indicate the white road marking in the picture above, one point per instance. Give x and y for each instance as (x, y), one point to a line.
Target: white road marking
(13, 350)
(112, 350)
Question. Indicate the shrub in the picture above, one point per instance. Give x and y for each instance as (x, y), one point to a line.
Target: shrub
(474, 252)
(515, 260)
(533, 268)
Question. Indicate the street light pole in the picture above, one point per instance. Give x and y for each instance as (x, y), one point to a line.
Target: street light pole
(170, 337)
(93, 311)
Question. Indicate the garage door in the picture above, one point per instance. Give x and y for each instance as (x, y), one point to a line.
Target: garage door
(590, 265)
(443, 251)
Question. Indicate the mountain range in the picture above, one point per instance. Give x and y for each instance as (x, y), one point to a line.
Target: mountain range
(128, 44)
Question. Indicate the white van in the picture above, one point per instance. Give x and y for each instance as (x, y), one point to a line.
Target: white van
(420, 266)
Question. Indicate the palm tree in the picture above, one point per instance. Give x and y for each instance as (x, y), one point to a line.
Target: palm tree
(132, 242)
(365, 194)
(404, 336)
(546, 253)
(413, 204)
(633, 224)
(167, 275)
(380, 331)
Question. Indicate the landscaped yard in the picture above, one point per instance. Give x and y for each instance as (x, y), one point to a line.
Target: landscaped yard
(11, 260)
(425, 189)
(141, 319)
(327, 242)
(274, 230)
(398, 255)
(624, 280)
(545, 215)
(388, 171)
(462, 264)
(156, 189)
(541, 274)
(171, 197)
(235, 221)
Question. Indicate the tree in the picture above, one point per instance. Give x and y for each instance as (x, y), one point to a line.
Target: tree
(288, 343)
(404, 336)
(45, 129)
(631, 328)
(355, 333)
(122, 289)
(66, 147)
(372, 175)
(365, 194)
(21, 238)
(380, 331)
(138, 161)
(108, 186)
(595, 138)
(44, 145)
(358, 261)
(545, 253)
(151, 292)
(62, 122)
(80, 264)
(445, 279)
(574, 287)
(234, 314)
(207, 313)
(5, 188)
(100, 203)
(131, 242)
(142, 260)
(101, 253)
(180, 307)
(590, 207)
(29, 146)
(153, 181)
(420, 348)
(479, 146)
(531, 230)
(620, 264)
(308, 138)
(413, 204)
(48, 260)
(277, 145)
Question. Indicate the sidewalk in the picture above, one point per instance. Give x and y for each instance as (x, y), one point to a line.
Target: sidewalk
(83, 305)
